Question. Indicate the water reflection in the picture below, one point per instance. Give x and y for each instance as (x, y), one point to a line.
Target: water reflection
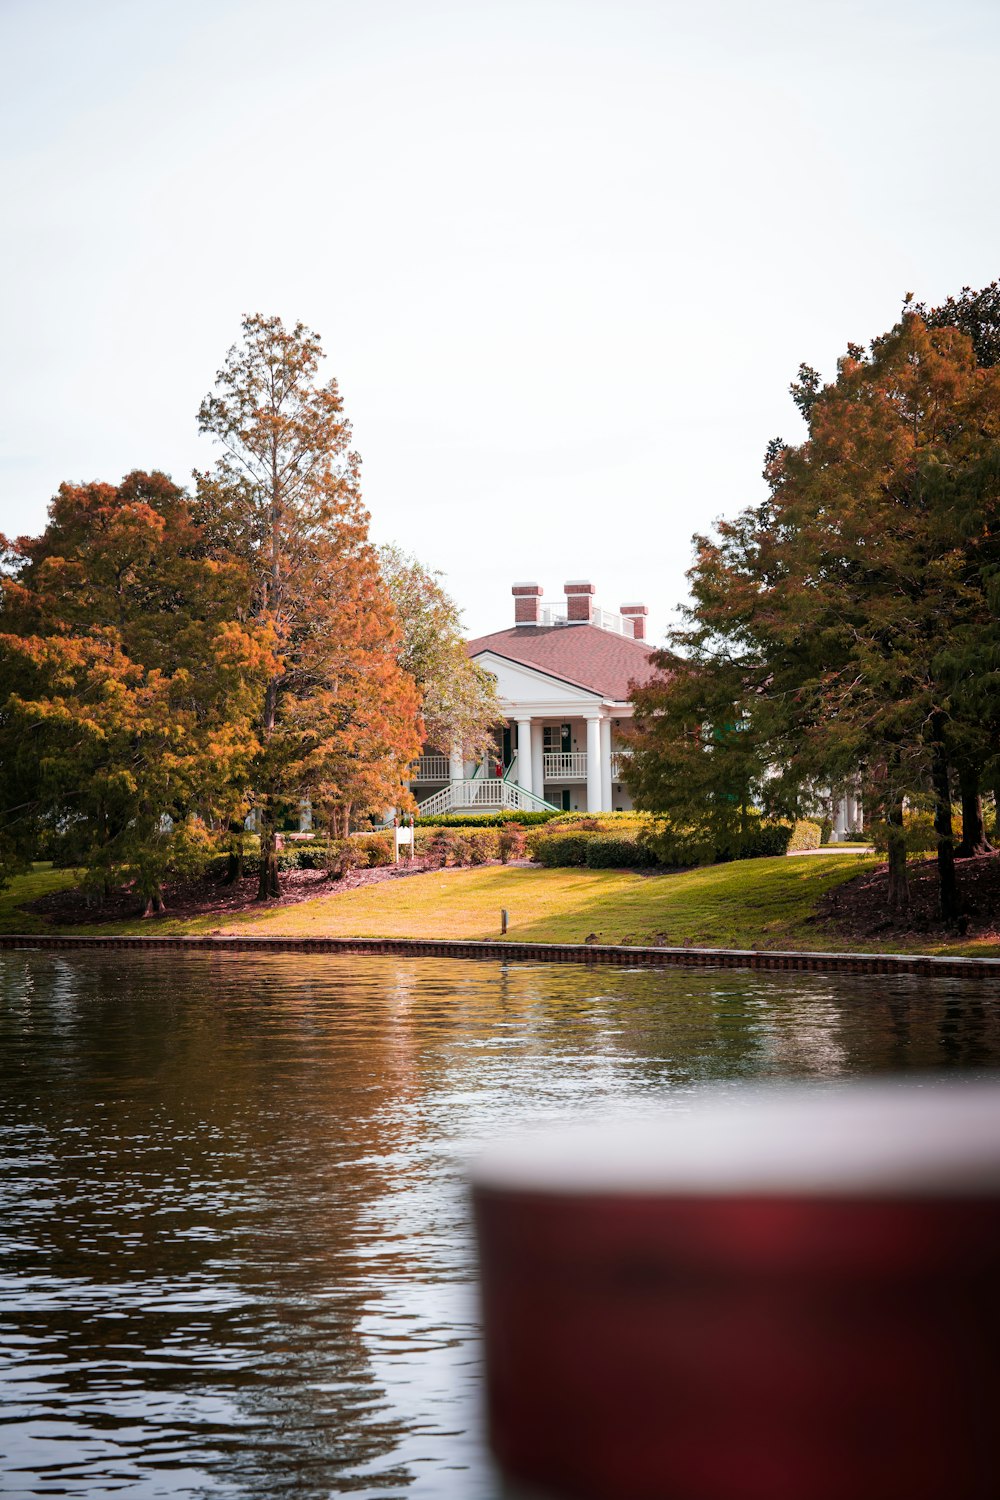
(236, 1258)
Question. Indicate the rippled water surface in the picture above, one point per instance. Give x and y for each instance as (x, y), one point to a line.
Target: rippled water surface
(236, 1253)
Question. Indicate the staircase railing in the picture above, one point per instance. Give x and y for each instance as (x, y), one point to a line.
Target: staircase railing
(471, 795)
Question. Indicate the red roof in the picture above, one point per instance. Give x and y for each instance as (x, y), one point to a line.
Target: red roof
(598, 660)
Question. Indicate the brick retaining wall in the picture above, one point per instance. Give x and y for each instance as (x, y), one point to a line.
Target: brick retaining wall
(552, 953)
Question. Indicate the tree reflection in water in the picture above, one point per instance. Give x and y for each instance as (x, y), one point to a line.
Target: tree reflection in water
(236, 1252)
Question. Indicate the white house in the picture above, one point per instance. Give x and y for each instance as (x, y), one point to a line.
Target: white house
(563, 672)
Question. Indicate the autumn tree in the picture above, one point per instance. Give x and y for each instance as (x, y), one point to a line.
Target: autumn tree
(126, 685)
(457, 696)
(338, 718)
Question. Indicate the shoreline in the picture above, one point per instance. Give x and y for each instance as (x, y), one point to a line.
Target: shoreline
(588, 954)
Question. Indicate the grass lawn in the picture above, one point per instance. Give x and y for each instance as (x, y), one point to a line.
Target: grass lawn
(762, 902)
(751, 903)
(25, 888)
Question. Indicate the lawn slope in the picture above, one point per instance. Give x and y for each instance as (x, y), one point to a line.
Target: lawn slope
(767, 903)
(762, 901)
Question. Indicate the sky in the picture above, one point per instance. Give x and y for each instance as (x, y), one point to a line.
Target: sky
(565, 256)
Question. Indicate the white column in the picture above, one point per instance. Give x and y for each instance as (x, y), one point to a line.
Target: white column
(840, 819)
(594, 765)
(524, 754)
(605, 765)
(456, 764)
(538, 762)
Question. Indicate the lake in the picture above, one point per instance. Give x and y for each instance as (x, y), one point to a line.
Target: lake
(235, 1248)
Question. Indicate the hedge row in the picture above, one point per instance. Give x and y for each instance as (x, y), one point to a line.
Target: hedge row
(636, 851)
(579, 840)
(598, 851)
(336, 856)
(488, 820)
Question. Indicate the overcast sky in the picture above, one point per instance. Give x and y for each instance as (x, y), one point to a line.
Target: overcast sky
(565, 255)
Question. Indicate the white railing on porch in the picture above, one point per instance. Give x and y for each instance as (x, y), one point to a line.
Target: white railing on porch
(619, 760)
(430, 768)
(565, 765)
(481, 796)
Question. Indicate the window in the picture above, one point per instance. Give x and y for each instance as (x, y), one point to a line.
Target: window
(557, 739)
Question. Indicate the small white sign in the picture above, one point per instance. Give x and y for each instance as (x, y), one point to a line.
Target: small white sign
(404, 836)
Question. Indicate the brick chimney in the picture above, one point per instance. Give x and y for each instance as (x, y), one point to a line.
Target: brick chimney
(527, 598)
(579, 602)
(637, 614)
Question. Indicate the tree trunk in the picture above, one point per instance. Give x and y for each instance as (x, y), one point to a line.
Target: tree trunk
(942, 827)
(899, 884)
(234, 866)
(974, 840)
(155, 903)
(267, 885)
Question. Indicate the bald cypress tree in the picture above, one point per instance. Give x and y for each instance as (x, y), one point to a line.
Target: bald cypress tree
(338, 716)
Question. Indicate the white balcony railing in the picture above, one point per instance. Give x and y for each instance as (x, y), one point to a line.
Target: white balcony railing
(431, 768)
(619, 760)
(565, 765)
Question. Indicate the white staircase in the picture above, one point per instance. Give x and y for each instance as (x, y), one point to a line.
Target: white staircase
(486, 794)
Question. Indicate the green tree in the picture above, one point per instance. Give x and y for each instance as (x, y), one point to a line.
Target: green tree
(854, 608)
(458, 698)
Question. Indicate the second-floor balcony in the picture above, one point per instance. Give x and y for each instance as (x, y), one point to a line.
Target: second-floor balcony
(431, 768)
(559, 766)
(565, 765)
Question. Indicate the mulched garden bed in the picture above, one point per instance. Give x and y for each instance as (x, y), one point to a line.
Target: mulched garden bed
(860, 908)
(206, 898)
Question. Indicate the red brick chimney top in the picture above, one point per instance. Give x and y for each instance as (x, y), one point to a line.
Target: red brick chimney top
(637, 614)
(527, 597)
(579, 602)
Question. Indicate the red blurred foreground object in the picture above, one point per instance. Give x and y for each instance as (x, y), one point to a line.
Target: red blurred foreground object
(785, 1296)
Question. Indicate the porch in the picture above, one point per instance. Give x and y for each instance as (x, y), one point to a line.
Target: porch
(535, 765)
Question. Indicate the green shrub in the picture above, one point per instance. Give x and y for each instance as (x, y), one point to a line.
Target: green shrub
(557, 850)
(762, 841)
(805, 835)
(488, 820)
(314, 855)
(618, 851)
(607, 820)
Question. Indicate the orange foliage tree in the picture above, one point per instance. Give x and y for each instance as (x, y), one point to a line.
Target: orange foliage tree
(127, 685)
(338, 719)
